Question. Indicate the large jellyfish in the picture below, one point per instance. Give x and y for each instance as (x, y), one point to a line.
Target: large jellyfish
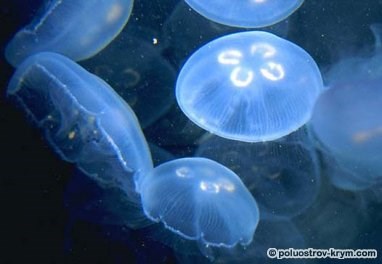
(84, 120)
(246, 87)
(77, 29)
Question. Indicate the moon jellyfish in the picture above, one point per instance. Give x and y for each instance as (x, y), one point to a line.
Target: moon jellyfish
(246, 87)
(200, 200)
(84, 120)
(282, 175)
(245, 13)
(145, 84)
(346, 120)
(185, 31)
(77, 29)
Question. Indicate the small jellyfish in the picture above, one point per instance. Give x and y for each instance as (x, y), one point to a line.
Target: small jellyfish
(245, 13)
(84, 120)
(282, 175)
(77, 29)
(200, 200)
(142, 78)
(346, 120)
(246, 87)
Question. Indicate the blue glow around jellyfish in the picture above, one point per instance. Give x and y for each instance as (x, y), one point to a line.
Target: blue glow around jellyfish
(77, 29)
(84, 120)
(347, 122)
(246, 87)
(200, 200)
(245, 13)
(282, 175)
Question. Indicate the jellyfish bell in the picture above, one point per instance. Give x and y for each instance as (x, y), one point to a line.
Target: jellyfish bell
(196, 199)
(76, 29)
(83, 120)
(246, 14)
(246, 86)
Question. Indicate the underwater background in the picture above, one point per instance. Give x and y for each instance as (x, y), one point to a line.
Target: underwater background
(41, 219)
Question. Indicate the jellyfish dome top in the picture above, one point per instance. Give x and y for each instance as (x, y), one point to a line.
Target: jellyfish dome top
(246, 86)
(246, 13)
(77, 29)
(84, 120)
(201, 200)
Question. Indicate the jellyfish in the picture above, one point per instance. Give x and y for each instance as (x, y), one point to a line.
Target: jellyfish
(145, 84)
(282, 175)
(200, 200)
(83, 119)
(246, 86)
(346, 120)
(77, 29)
(246, 13)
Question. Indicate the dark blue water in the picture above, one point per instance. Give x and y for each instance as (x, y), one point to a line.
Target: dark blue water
(43, 218)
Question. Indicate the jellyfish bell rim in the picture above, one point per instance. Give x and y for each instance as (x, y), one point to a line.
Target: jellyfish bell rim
(200, 237)
(292, 127)
(243, 23)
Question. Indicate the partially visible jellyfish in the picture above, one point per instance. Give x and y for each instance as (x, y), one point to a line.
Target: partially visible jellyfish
(77, 29)
(347, 122)
(246, 13)
(200, 200)
(185, 31)
(143, 78)
(246, 87)
(84, 120)
(282, 175)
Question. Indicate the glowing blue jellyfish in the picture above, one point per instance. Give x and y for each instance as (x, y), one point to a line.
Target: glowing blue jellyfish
(245, 13)
(246, 87)
(347, 122)
(282, 175)
(77, 29)
(84, 120)
(145, 84)
(200, 200)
